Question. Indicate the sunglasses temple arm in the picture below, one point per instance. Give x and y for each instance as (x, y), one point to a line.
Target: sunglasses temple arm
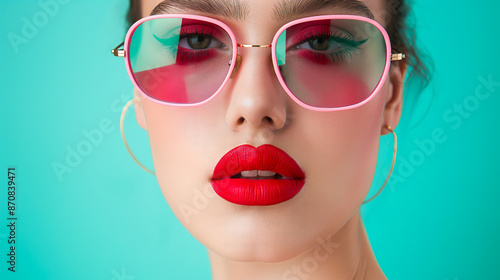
(397, 56)
(117, 51)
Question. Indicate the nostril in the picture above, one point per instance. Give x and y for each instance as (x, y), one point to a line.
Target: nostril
(241, 120)
(268, 119)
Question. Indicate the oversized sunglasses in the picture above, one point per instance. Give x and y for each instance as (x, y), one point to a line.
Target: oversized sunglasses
(324, 63)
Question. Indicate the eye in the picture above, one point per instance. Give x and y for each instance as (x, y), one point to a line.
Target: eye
(321, 38)
(199, 41)
(320, 43)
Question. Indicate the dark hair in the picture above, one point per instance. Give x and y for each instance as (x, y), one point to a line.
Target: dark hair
(400, 27)
(134, 12)
(401, 30)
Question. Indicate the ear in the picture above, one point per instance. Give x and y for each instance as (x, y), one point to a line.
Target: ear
(139, 112)
(394, 100)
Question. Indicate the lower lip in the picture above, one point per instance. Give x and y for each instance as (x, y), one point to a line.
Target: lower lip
(259, 192)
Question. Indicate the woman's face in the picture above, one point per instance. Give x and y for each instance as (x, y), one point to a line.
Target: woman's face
(337, 151)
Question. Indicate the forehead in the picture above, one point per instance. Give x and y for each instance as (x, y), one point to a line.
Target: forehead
(278, 10)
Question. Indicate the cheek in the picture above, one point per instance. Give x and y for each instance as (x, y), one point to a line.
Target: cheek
(180, 147)
(341, 157)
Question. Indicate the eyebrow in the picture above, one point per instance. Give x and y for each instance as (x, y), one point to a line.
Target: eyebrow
(233, 9)
(286, 9)
(293, 8)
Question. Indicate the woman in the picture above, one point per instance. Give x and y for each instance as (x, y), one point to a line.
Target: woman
(267, 164)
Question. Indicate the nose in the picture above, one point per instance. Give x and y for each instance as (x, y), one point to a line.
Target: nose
(256, 100)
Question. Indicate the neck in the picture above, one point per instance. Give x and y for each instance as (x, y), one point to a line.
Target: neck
(345, 255)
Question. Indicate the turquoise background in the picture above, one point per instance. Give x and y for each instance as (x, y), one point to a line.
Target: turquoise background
(105, 218)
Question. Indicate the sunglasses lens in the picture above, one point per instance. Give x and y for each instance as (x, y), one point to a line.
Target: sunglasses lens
(331, 63)
(183, 61)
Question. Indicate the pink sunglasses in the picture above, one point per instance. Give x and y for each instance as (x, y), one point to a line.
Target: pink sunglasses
(324, 63)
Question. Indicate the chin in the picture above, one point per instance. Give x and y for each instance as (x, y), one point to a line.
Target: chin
(268, 249)
(264, 233)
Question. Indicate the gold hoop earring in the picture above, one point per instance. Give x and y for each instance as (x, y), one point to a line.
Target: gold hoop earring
(392, 165)
(122, 118)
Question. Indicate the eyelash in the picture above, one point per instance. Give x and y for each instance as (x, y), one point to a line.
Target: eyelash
(310, 34)
(327, 56)
(323, 57)
(183, 55)
(186, 56)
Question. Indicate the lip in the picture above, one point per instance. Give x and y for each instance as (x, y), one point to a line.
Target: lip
(257, 192)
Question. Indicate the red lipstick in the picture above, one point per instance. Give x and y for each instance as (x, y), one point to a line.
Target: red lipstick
(265, 175)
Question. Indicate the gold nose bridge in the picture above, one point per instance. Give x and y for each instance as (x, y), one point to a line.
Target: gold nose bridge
(238, 56)
(253, 46)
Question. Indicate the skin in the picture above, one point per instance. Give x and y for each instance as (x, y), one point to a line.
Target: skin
(319, 233)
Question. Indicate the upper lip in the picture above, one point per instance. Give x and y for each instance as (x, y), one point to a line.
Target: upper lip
(264, 158)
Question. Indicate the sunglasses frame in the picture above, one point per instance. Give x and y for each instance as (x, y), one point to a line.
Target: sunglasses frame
(237, 58)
